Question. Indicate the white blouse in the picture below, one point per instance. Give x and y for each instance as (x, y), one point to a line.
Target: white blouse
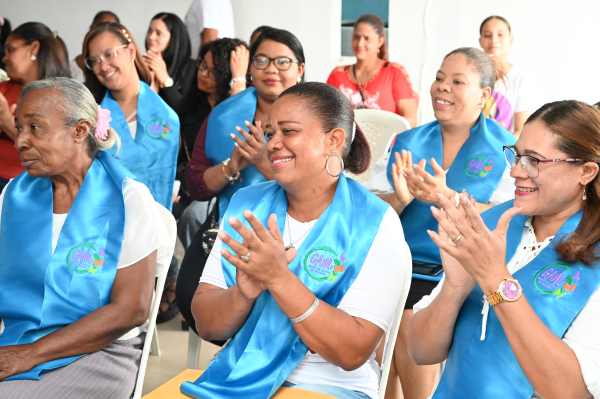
(379, 184)
(582, 336)
(144, 233)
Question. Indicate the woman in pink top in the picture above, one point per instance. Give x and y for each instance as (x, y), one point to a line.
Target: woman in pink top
(374, 82)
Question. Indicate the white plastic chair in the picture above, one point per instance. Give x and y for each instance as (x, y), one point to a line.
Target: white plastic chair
(392, 334)
(379, 127)
(160, 284)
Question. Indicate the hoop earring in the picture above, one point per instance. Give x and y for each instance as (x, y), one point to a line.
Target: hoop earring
(333, 154)
(584, 196)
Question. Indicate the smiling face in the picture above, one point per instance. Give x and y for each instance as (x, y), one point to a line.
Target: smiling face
(271, 82)
(206, 77)
(558, 185)
(456, 95)
(366, 41)
(495, 38)
(158, 36)
(298, 146)
(17, 58)
(121, 69)
(46, 146)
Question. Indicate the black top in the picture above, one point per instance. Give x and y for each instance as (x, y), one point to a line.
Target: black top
(172, 95)
(190, 120)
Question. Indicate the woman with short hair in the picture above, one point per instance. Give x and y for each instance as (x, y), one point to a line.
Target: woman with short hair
(515, 97)
(306, 295)
(168, 57)
(33, 52)
(460, 150)
(374, 82)
(517, 312)
(118, 77)
(92, 239)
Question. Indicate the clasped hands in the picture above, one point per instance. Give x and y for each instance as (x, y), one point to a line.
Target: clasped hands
(267, 266)
(251, 150)
(471, 252)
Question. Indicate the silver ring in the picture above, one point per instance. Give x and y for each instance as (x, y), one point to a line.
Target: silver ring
(419, 193)
(455, 240)
(246, 258)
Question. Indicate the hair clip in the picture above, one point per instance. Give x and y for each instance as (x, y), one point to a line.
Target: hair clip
(103, 124)
(55, 34)
(126, 35)
(1, 21)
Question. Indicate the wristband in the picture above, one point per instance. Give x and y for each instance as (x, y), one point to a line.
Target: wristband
(310, 311)
(231, 178)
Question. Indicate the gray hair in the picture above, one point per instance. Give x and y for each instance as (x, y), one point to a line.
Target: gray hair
(488, 69)
(77, 104)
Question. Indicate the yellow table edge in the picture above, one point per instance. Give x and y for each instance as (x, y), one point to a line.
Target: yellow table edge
(170, 389)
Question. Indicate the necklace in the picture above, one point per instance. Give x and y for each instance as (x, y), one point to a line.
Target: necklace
(287, 219)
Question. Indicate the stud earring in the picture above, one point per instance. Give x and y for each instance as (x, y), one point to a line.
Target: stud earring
(584, 196)
(299, 79)
(33, 58)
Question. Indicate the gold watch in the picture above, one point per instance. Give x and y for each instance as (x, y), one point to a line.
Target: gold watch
(509, 290)
(166, 83)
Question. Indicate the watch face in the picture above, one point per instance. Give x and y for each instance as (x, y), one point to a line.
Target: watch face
(511, 290)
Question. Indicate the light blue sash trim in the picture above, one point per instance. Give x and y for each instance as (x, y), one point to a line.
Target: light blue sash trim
(556, 290)
(152, 156)
(477, 168)
(221, 123)
(41, 292)
(267, 348)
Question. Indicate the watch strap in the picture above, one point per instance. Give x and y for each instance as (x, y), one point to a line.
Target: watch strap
(495, 298)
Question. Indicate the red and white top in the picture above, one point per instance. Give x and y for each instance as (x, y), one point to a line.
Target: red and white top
(389, 85)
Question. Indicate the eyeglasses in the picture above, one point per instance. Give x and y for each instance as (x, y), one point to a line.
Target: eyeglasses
(203, 66)
(529, 164)
(281, 63)
(109, 56)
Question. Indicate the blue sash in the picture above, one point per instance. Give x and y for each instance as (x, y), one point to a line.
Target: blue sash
(41, 292)
(267, 348)
(557, 291)
(152, 156)
(477, 168)
(219, 145)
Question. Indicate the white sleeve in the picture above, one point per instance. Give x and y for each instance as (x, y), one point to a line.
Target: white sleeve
(375, 293)
(583, 337)
(427, 299)
(505, 191)
(211, 15)
(527, 92)
(378, 183)
(145, 230)
(213, 270)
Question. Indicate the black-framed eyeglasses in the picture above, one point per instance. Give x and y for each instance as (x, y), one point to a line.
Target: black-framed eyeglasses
(203, 66)
(529, 164)
(281, 63)
(109, 56)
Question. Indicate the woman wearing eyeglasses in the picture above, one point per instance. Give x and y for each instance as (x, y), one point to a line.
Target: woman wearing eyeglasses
(517, 314)
(230, 150)
(460, 150)
(118, 77)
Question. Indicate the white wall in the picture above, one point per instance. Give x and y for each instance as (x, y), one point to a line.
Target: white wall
(556, 40)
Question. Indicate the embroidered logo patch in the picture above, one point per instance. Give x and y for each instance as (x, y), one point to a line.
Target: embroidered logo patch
(157, 129)
(84, 258)
(478, 165)
(556, 279)
(323, 264)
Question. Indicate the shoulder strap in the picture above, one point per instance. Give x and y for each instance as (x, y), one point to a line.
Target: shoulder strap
(387, 63)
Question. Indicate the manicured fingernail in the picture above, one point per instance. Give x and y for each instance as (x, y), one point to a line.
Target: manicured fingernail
(434, 211)
(221, 234)
(463, 198)
(235, 144)
(247, 123)
(232, 135)
(442, 199)
(231, 220)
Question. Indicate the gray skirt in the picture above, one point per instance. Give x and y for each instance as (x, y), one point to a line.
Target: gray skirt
(109, 373)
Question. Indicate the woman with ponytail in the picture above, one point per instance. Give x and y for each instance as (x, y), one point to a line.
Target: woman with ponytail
(374, 82)
(529, 266)
(460, 150)
(308, 293)
(81, 242)
(32, 52)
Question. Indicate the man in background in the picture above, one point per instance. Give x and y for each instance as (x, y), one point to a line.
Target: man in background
(209, 20)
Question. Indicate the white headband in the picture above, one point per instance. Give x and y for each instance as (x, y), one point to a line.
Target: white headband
(353, 131)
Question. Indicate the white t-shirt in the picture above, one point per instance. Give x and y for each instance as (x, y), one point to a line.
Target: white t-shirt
(144, 232)
(582, 336)
(373, 296)
(521, 95)
(378, 183)
(209, 14)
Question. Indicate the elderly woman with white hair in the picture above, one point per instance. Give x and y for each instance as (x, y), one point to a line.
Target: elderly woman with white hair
(80, 241)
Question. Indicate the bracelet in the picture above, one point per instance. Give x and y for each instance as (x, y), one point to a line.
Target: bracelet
(310, 311)
(231, 178)
(235, 80)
